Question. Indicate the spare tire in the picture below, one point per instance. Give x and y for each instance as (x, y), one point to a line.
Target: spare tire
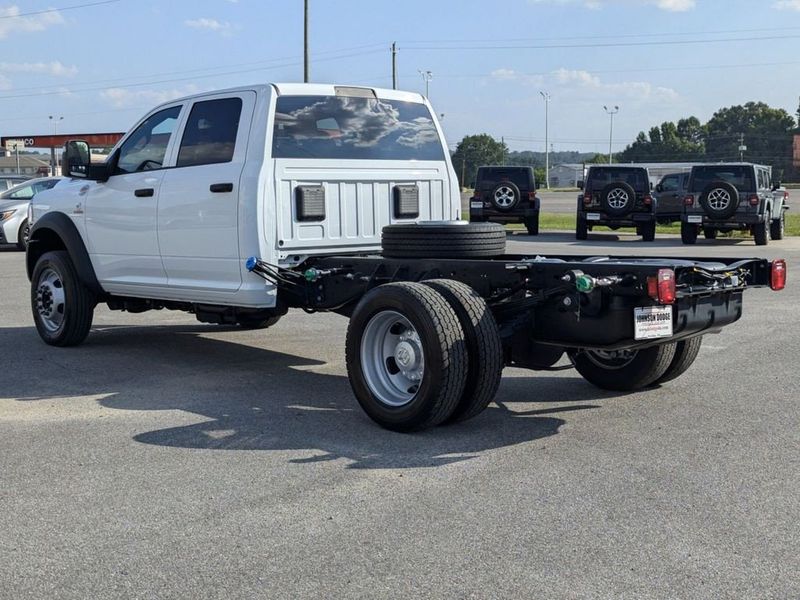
(444, 239)
(505, 195)
(719, 199)
(618, 198)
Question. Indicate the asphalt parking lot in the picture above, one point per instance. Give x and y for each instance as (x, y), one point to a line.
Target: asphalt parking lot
(169, 459)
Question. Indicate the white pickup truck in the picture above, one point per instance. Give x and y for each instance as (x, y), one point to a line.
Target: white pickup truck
(240, 204)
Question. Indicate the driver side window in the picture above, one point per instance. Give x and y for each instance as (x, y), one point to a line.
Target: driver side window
(146, 147)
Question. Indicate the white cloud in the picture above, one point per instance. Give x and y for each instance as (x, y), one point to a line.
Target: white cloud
(640, 90)
(54, 68)
(5, 82)
(668, 5)
(222, 27)
(504, 74)
(123, 97)
(787, 5)
(11, 22)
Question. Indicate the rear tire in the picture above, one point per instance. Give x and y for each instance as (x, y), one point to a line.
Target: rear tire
(624, 370)
(761, 231)
(484, 348)
(688, 233)
(406, 356)
(709, 233)
(686, 352)
(532, 224)
(778, 226)
(581, 231)
(649, 232)
(62, 306)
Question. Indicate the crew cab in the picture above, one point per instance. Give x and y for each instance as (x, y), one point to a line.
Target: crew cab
(733, 196)
(616, 196)
(238, 205)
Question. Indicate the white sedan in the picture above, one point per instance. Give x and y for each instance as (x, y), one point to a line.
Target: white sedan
(14, 227)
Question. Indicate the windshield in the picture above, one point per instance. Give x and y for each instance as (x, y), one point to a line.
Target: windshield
(28, 190)
(740, 176)
(342, 127)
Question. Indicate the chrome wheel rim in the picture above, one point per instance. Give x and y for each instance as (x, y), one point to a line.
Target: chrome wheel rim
(26, 233)
(504, 196)
(719, 199)
(50, 299)
(618, 198)
(611, 359)
(392, 358)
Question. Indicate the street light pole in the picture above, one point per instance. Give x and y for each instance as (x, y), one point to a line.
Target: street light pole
(306, 72)
(53, 161)
(426, 77)
(546, 96)
(611, 112)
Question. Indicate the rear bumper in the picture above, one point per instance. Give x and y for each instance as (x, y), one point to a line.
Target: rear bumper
(742, 220)
(614, 327)
(511, 216)
(630, 220)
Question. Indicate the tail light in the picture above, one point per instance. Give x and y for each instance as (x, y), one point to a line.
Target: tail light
(777, 275)
(662, 286)
(648, 200)
(587, 199)
(753, 200)
(785, 195)
(688, 200)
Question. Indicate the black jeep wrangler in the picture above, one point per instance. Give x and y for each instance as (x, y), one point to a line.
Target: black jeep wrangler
(616, 196)
(733, 196)
(506, 195)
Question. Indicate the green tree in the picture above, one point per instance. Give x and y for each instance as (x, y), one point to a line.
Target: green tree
(766, 131)
(599, 159)
(667, 142)
(474, 151)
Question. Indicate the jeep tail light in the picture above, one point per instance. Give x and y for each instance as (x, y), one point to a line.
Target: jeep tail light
(662, 287)
(753, 200)
(648, 200)
(777, 275)
(688, 200)
(785, 195)
(587, 199)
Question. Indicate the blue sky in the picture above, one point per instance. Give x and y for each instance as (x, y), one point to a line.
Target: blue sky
(102, 66)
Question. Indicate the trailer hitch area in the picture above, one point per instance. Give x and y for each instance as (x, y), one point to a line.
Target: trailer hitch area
(585, 283)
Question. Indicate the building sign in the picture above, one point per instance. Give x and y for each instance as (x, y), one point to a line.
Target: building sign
(95, 140)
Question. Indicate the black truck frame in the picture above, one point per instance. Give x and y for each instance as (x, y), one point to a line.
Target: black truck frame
(538, 309)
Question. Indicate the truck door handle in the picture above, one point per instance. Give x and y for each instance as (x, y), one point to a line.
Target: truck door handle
(219, 188)
(144, 193)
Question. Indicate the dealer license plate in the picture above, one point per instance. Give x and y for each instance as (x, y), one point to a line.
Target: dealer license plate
(694, 218)
(476, 204)
(651, 322)
(592, 216)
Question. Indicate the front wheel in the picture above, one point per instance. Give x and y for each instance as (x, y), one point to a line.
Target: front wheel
(761, 231)
(624, 370)
(406, 356)
(62, 306)
(709, 233)
(23, 234)
(778, 226)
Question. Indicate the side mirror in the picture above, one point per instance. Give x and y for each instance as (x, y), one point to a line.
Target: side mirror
(580, 184)
(77, 158)
(651, 186)
(659, 188)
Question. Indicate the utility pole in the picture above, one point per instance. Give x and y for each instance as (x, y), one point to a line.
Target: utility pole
(742, 147)
(546, 96)
(611, 112)
(394, 65)
(306, 73)
(503, 144)
(426, 77)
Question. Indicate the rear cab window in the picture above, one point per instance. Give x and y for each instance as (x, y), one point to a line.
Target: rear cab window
(740, 176)
(209, 136)
(354, 128)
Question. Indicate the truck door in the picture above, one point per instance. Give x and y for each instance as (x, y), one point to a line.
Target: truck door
(198, 209)
(121, 212)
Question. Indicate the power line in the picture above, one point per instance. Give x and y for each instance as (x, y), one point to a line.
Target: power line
(51, 10)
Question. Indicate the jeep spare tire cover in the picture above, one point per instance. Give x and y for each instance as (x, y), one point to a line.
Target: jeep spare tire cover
(444, 239)
(719, 199)
(505, 195)
(618, 198)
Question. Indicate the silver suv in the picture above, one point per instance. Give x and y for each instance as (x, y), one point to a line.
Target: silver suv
(733, 196)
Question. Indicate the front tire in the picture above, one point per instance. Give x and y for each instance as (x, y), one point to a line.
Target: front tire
(62, 306)
(624, 370)
(532, 224)
(649, 232)
(709, 233)
(761, 231)
(406, 356)
(778, 226)
(581, 230)
(257, 323)
(22, 235)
